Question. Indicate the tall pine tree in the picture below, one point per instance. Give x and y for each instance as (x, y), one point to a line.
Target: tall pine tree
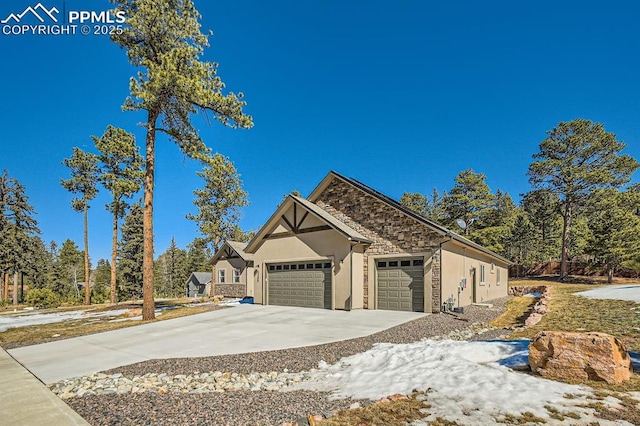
(83, 181)
(121, 174)
(163, 38)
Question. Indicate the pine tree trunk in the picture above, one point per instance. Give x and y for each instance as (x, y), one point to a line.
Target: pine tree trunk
(5, 292)
(566, 233)
(212, 288)
(610, 275)
(15, 288)
(87, 290)
(114, 254)
(148, 303)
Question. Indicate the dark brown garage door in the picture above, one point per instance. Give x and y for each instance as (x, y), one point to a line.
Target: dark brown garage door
(305, 284)
(400, 284)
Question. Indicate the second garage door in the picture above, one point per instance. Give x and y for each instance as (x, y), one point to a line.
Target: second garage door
(400, 284)
(300, 284)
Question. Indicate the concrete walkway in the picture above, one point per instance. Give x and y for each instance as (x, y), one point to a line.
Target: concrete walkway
(238, 329)
(26, 401)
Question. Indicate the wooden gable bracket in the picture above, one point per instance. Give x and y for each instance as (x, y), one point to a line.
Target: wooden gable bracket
(295, 226)
(229, 253)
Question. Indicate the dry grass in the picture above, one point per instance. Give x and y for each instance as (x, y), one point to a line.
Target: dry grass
(40, 333)
(568, 312)
(394, 412)
(627, 410)
(518, 309)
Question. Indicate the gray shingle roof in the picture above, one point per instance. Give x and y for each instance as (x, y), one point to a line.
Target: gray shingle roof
(239, 248)
(202, 277)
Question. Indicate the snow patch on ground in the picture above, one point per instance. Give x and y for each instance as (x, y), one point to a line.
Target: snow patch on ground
(616, 292)
(468, 382)
(23, 320)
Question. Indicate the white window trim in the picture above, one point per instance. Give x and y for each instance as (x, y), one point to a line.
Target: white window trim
(493, 268)
(222, 275)
(483, 275)
(498, 277)
(236, 275)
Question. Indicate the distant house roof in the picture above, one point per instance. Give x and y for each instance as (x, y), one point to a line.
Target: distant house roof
(201, 277)
(229, 247)
(315, 210)
(396, 205)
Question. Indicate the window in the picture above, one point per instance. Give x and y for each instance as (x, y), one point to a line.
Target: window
(493, 268)
(393, 263)
(382, 264)
(286, 267)
(236, 276)
(309, 265)
(482, 274)
(327, 265)
(418, 262)
(498, 277)
(405, 263)
(294, 267)
(318, 265)
(301, 266)
(222, 275)
(278, 267)
(272, 268)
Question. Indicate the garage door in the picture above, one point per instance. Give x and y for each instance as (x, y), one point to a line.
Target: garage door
(400, 284)
(300, 284)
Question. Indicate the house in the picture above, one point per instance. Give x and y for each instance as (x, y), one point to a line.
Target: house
(231, 266)
(347, 246)
(197, 284)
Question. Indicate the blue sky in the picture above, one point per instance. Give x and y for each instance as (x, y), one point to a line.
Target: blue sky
(399, 95)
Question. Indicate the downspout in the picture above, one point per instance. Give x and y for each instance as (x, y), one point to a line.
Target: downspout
(350, 275)
(448, 234)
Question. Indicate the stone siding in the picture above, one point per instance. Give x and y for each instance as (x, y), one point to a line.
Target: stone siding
(231, 290)
(391, 231)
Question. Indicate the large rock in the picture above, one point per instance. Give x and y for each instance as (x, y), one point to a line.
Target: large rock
(582, 356)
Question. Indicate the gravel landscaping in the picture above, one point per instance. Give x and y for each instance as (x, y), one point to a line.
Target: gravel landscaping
(204, 403)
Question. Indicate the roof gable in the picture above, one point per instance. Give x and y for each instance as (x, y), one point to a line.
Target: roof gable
(231, 249)
(324, 184)
(279, 218)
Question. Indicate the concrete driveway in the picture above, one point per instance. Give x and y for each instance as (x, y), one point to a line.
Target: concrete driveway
(238, 329)
(629, 292)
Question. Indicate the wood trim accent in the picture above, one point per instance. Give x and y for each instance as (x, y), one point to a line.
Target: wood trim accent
(300, 231)
(293, 228)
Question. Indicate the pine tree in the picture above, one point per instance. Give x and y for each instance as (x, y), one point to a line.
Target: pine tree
(121, 174)
(69, 262)
(575, 159)
(163, 38)
(198, 256)
(130, 254)
(19, 229)
(172, 271)
(415, 202)
(470, 200)
(218, 203)
(83, 181)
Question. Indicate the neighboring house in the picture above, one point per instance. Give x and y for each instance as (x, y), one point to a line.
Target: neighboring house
(348, 246)
(231, 267)
(198, 284)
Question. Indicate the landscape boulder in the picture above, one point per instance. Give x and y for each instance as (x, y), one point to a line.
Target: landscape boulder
(582, 356)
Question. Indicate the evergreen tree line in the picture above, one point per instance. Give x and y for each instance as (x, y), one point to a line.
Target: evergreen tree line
(581, 206)
(25, 260)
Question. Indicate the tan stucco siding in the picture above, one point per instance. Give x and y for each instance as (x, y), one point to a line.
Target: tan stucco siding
(460, 262)
(320, 245)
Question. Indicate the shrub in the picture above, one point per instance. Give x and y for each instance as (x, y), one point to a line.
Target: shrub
(43, 298)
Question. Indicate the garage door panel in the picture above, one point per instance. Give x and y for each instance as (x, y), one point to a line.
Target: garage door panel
(400, 285)
(300, 287)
